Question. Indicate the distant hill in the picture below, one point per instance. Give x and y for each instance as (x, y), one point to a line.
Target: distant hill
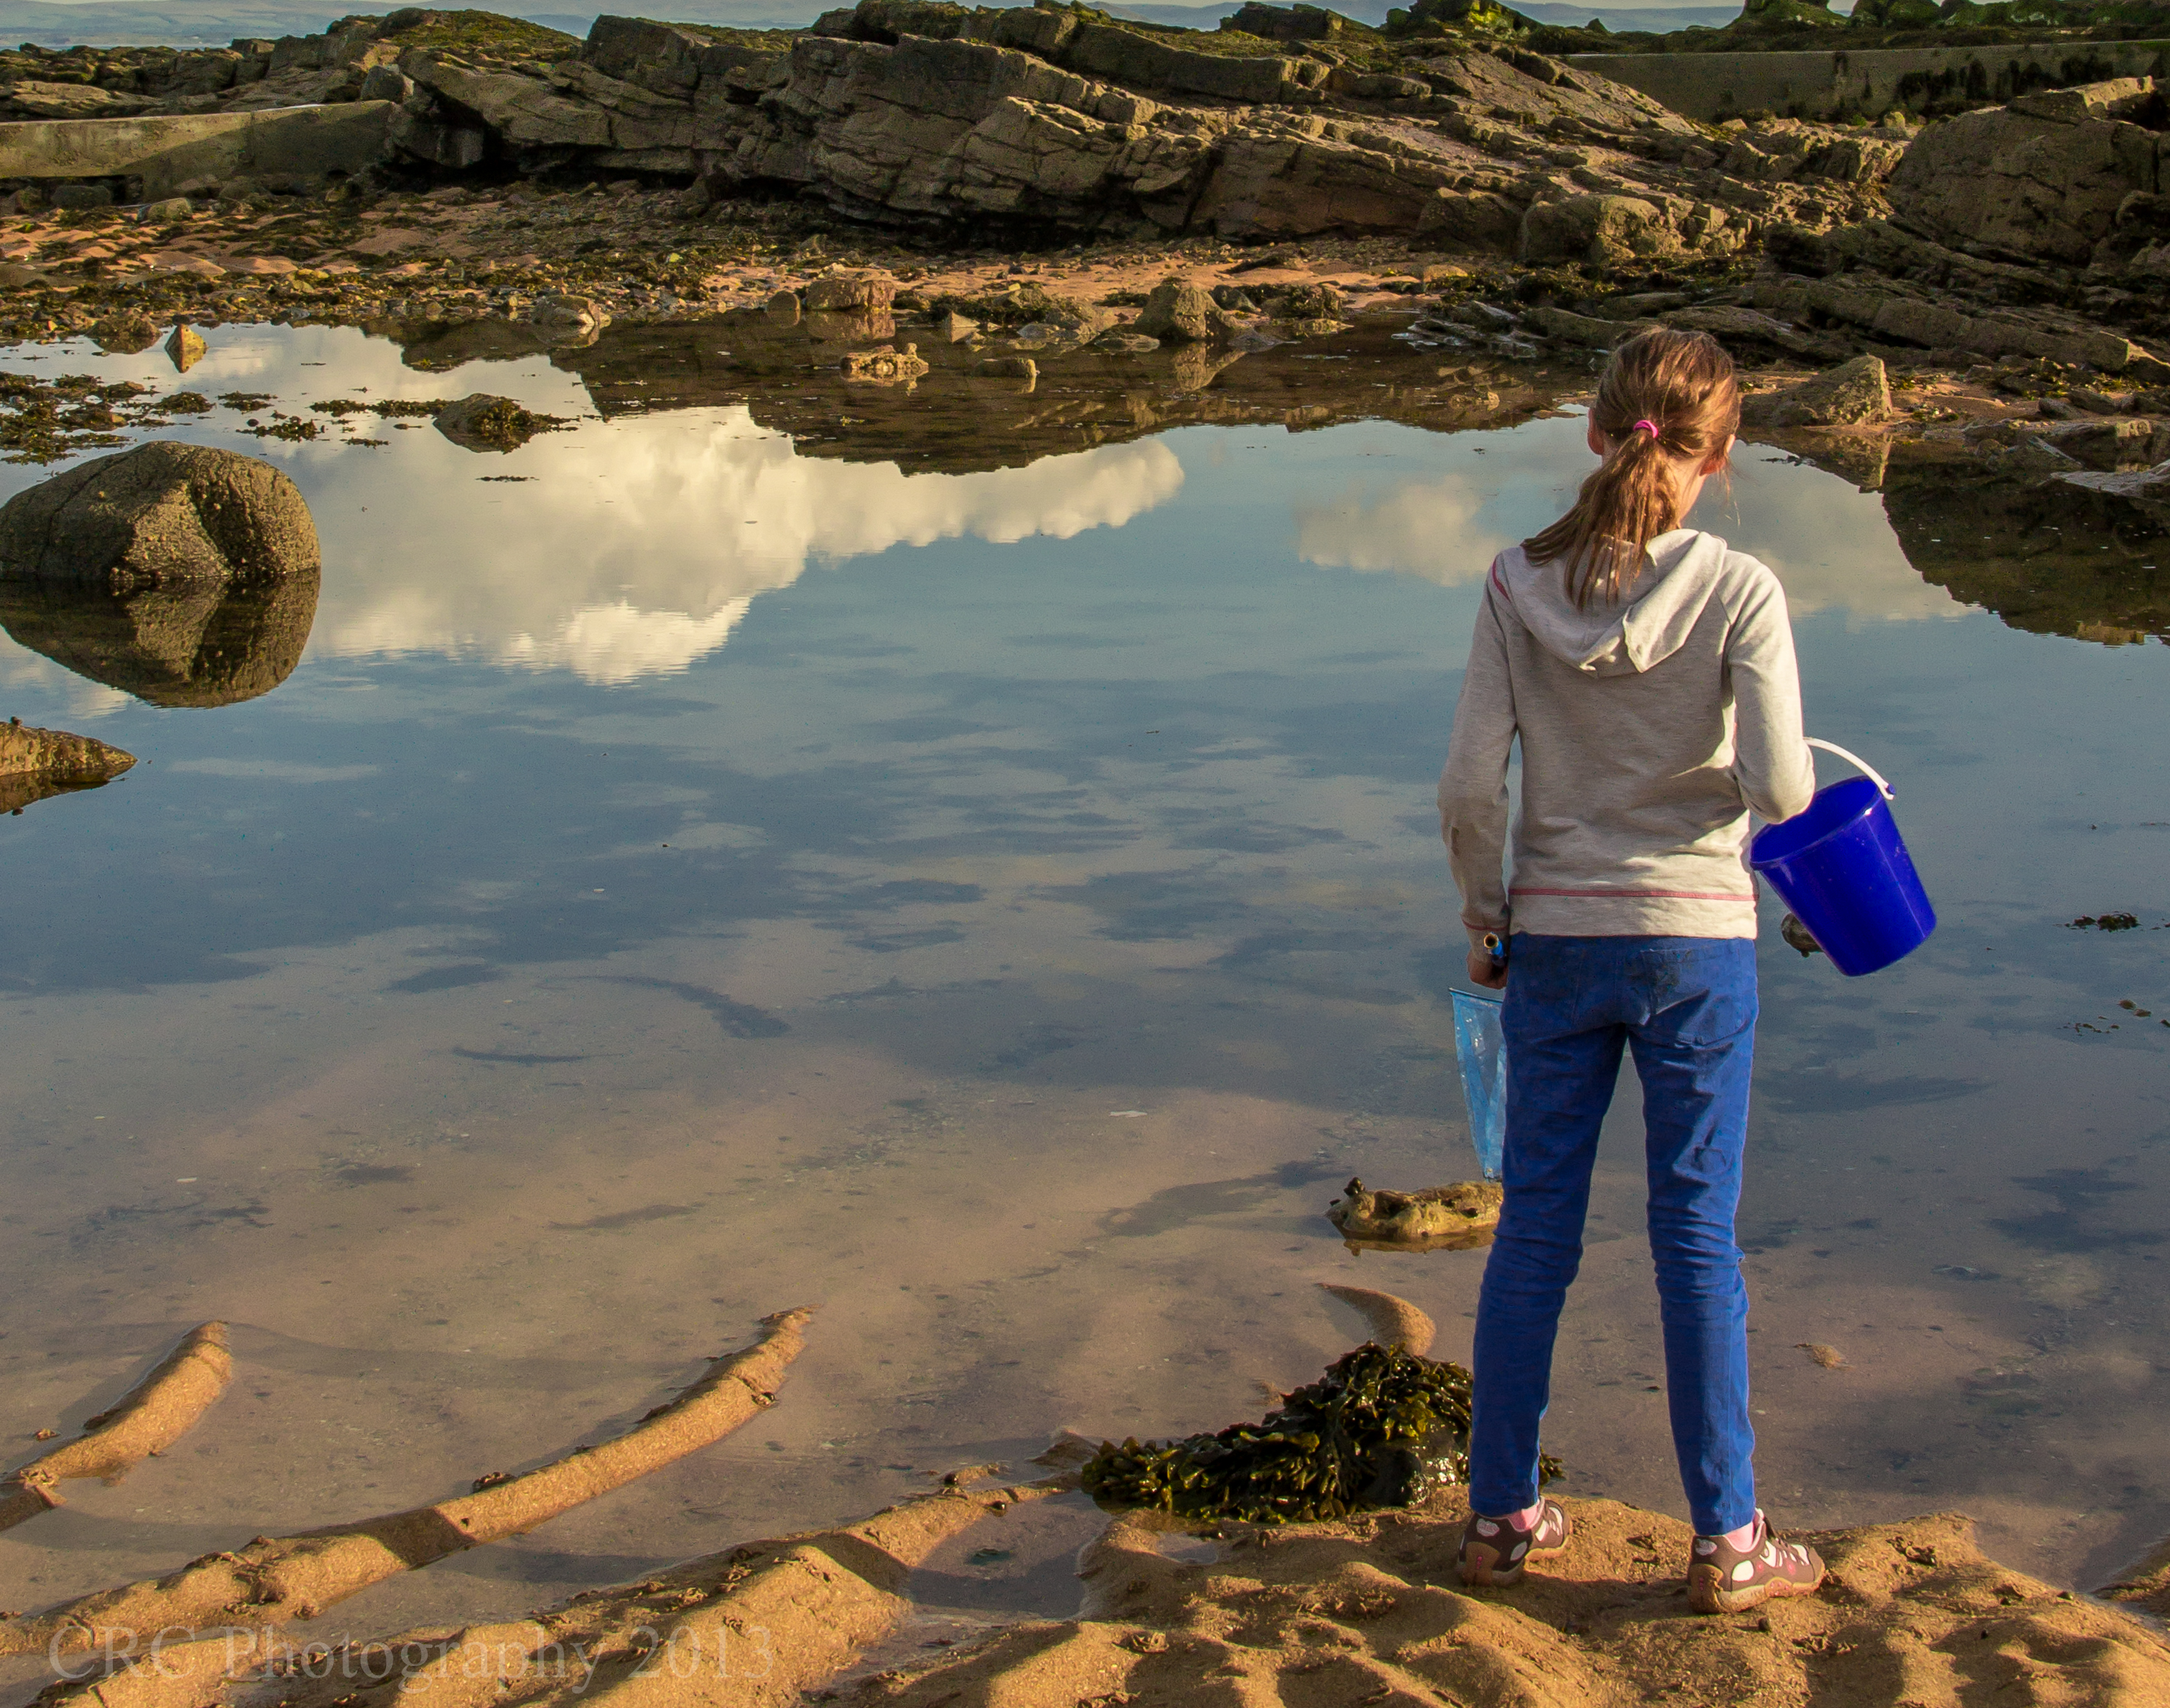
(180, 23)
(1659, 19)
(196, 22)
(193, 23)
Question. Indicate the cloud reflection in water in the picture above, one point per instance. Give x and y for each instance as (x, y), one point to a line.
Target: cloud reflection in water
(1832, 545)
(638, 553)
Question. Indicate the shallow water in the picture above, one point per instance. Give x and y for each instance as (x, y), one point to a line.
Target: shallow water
(966, 858)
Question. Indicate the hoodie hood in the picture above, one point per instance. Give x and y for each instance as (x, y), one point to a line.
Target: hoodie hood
(1680, 572)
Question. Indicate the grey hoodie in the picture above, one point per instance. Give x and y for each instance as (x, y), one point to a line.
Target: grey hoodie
(1650, 728)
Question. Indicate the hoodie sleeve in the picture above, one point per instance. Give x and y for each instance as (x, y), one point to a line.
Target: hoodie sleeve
(1771, 758)
(1473, 789)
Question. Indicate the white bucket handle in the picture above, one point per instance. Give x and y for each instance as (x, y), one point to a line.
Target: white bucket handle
(1858, 764)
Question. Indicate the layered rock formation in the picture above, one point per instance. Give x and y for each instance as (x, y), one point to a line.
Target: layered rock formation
(119, 82)
(928, 113)
(2070, 176)
(2038, 229)
(917, 112)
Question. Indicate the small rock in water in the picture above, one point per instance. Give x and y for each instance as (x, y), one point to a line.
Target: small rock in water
(1466, 1206)
(482, 422)
(1185, 312)
(35, 763)
(1022, 368)
(185, 348)
(582, 316)
(884, 365)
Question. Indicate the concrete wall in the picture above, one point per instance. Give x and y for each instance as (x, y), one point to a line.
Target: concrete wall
(183, 152)
(1834, 83)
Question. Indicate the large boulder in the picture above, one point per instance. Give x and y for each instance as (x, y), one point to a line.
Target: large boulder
(1611, 231)
(845, 289)
(2041, 178)
(162, 513)
(1601, 230)
(664, 57)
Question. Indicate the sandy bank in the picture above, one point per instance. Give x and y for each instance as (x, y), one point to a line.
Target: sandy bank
(1370, 1612)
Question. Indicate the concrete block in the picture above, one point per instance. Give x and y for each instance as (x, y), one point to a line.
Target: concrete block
(173, 152)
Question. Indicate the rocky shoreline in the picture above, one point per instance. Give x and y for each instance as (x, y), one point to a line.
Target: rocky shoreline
(660, 172)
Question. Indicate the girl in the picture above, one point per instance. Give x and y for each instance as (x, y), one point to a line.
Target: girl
(1648, 671)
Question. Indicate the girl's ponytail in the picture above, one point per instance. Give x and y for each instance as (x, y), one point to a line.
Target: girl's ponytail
(1664, 396)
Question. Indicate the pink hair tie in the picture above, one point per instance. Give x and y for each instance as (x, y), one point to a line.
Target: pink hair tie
(1650, 426)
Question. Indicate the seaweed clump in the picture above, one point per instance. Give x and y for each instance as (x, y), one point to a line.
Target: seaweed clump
(1382, 1428)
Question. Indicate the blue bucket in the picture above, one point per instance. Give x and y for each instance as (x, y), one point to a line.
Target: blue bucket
(1843, 868)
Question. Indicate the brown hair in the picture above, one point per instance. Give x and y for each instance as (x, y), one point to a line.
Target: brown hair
(1664, 396)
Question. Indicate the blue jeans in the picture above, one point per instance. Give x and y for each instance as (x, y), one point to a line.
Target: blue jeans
(1685, 1006)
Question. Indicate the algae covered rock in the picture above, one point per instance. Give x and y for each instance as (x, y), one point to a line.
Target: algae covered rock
(577, 317)
(25, 750)
(1416, 1219)
(128, 333)
(481, 422)
(1857, 393)
(162, 513)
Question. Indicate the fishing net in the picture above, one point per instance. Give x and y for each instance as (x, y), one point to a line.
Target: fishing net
(1482, 1050)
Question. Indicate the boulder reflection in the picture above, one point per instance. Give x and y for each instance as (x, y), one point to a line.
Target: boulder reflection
(181, 646)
